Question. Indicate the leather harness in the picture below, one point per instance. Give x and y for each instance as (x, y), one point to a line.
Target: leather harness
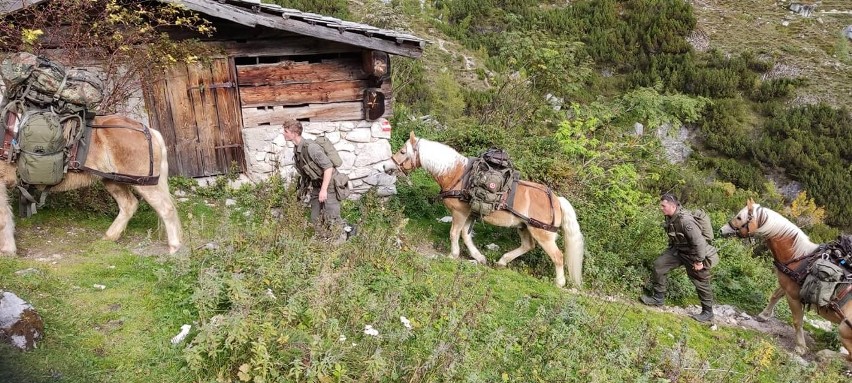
(74, 164)
(506, 202)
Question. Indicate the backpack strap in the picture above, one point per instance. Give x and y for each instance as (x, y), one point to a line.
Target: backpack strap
(150, 179)
(464, 181)
(529, 220)
(7, 151)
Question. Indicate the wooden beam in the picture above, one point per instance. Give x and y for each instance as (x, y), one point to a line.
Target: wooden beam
(281, 48)
(338, 111)
(221, 11)
(304, 93)
(290, 72)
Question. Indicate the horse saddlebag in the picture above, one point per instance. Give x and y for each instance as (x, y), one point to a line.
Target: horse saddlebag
(823, 279)
(41, 145)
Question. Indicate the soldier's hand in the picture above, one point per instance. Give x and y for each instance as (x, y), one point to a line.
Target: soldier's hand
(698, 266)
(323, 195)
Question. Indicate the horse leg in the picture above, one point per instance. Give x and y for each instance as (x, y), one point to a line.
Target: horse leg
(459, 219)
(769, 311)
(527, 244)
(798, 312)
(160, 199)
(468, 242)
(547, 241)
(844, 331)
(127, 205)
(7, 224)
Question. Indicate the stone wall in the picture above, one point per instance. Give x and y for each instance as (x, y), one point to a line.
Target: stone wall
(363, 146)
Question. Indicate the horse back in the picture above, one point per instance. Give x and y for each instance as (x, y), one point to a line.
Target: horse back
(536, 201)
(121, 145)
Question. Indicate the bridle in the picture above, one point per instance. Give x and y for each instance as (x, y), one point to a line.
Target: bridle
(413, 158)
(744, 230)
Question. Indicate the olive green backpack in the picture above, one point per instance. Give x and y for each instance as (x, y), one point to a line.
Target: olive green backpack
(41, 148)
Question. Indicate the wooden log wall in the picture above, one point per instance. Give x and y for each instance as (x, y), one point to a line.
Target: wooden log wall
(327, 90)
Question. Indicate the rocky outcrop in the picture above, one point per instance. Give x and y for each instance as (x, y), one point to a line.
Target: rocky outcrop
(20, 324)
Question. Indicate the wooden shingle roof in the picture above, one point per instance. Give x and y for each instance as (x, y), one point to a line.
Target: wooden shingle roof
(253, 13)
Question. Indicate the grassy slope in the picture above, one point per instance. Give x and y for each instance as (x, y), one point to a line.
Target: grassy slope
(122, 332)
(502, 324)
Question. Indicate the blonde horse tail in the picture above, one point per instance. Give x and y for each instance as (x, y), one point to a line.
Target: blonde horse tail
(574, 244)
(163, 183)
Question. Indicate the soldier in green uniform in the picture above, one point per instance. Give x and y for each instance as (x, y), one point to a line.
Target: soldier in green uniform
(316, 171)
(687, 247)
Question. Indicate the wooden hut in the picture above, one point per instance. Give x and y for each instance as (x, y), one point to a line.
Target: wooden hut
(278, 64)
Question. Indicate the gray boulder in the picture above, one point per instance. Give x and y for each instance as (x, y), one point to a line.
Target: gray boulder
(20, 324)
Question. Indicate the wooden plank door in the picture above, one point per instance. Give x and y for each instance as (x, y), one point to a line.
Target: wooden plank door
(195, 107)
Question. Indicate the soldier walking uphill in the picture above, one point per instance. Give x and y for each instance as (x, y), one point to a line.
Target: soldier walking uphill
(687, 247)
(320, 178)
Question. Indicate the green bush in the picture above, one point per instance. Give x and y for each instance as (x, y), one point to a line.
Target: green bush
(812, 143)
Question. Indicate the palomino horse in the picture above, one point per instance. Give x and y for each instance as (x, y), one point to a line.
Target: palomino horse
(792, 249)
(532, 200)
(118, 146)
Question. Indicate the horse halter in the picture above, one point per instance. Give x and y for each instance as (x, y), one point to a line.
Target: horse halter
(744, 230)
(413, 158)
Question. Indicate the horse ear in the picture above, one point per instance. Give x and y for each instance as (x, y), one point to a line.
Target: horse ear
(750, 204)
(411, 137)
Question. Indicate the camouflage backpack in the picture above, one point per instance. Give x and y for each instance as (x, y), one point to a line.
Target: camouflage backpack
(491, 177)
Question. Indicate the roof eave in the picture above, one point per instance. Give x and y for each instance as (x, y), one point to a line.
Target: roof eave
(401, 47)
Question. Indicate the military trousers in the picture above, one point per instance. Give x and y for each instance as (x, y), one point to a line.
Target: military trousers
(325, 216)
(672, 258)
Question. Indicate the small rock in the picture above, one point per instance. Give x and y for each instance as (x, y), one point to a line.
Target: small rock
(492, 247)
(446, 219)
(230, 202)
(20, 324)
(184, 330)
(99, 287)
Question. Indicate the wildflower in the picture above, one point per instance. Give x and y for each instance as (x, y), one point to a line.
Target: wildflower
(369, 330)
(405, 322)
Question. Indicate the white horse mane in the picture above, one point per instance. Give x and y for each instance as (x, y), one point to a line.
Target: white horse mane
(437, 158)
(775, 225)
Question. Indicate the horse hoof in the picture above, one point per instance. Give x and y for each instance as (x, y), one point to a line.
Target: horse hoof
(173, 249)
(500, 265)
(761, 318)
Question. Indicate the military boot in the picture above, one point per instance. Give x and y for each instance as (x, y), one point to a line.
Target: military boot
(706, 314)
(655, 300)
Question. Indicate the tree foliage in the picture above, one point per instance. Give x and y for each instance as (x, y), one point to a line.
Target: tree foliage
(126, 39)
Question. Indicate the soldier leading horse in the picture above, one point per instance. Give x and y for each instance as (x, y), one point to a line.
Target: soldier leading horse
(531, 201)
(792, 249)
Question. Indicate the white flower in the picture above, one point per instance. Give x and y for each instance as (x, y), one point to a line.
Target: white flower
(270, 294)
(342, 338)
(405, 322)
(369, 330)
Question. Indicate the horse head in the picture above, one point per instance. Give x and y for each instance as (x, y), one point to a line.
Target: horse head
(744, 223)
(407, 158)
